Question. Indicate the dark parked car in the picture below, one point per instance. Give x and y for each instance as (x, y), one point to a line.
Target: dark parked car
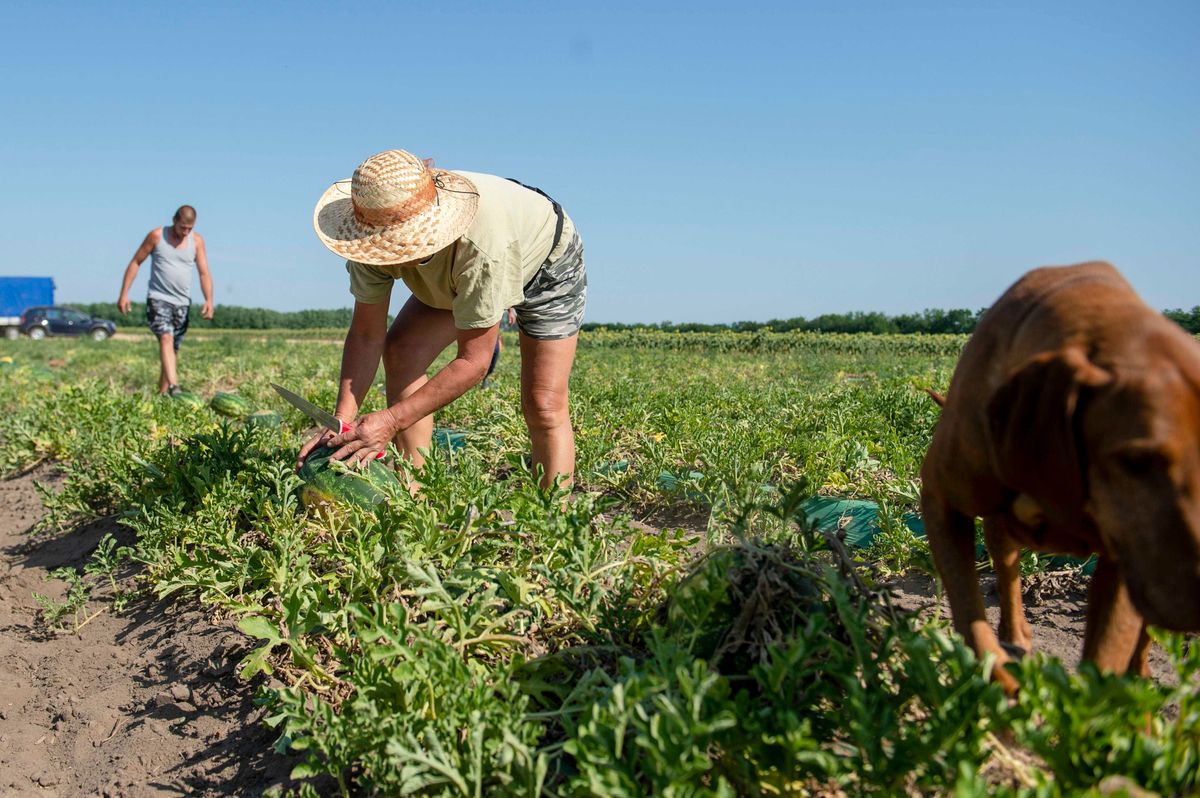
(37, 323)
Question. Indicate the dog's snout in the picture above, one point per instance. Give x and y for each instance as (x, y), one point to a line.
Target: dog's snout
(1163, 576)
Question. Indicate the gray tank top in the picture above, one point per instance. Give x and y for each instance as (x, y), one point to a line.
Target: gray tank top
(171, 270)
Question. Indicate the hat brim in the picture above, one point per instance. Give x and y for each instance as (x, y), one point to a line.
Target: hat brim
(414, 238)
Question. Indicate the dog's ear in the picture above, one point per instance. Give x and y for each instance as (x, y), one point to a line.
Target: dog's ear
(1033, 434)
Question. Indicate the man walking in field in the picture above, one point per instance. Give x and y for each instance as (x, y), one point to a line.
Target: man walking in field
(469, 246)
(175, 252)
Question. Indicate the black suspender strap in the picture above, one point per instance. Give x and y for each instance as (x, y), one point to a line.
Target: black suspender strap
(558, 211)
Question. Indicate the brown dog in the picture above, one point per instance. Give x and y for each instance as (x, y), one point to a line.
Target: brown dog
(1072, 425)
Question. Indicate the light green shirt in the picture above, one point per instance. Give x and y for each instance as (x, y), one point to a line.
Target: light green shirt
(484, 272)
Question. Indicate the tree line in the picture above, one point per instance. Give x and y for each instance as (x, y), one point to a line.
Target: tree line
(932, 321)
(230, 317)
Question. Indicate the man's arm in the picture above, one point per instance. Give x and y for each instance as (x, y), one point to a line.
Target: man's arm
(143, 252)
(205, 276)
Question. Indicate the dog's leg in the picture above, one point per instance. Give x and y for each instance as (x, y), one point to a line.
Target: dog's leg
(951, 538)
(1006, 557)
(1113, 636)
(1140, 664)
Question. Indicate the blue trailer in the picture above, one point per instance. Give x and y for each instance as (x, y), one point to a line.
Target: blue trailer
(18, 294)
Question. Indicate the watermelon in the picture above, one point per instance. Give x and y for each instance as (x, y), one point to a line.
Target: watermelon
(39, 372)
(266, 419)
(327, 485)
(189, 398)
(230, 404)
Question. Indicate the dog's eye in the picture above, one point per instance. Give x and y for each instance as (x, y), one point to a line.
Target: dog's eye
(1142, 459)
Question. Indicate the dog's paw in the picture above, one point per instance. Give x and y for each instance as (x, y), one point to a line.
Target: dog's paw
(1013, 651)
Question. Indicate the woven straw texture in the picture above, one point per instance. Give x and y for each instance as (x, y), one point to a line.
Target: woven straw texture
(394, 210)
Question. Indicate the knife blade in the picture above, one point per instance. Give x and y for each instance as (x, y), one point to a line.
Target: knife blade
(322, 417)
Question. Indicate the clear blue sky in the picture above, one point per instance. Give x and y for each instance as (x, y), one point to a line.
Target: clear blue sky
(723, 161)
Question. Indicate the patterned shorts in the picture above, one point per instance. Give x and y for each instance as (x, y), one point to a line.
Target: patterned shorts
(556, 296)
(167, 319)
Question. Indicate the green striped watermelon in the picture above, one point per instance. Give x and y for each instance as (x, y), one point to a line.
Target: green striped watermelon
(230, 404)
(189, 398)
(327, 485)
(265, 419)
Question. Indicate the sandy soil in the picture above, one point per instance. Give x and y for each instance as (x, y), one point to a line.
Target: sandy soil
(142, 703)
(1055, 605)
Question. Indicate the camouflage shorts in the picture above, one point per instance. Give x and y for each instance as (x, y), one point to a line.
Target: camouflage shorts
(167, 319)
(556, 296)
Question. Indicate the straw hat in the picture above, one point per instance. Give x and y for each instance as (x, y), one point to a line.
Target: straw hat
(394, 210)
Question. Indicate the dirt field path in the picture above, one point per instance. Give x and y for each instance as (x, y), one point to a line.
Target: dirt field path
(145, 336)
(142, 703)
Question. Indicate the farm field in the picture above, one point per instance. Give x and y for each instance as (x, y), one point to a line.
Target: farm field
(677, 625)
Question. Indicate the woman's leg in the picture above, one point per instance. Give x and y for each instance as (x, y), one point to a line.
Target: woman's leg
(487, 378)
(416, 338)
(545, 373)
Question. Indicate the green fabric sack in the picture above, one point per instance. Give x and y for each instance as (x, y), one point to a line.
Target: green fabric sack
(862, 526)
(861, 518)
(450, 440)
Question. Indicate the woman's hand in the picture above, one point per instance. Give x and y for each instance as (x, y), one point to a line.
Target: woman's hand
(321, 439)
(366, 440)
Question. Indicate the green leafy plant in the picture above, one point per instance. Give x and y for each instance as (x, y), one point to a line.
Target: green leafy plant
(78, 593)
